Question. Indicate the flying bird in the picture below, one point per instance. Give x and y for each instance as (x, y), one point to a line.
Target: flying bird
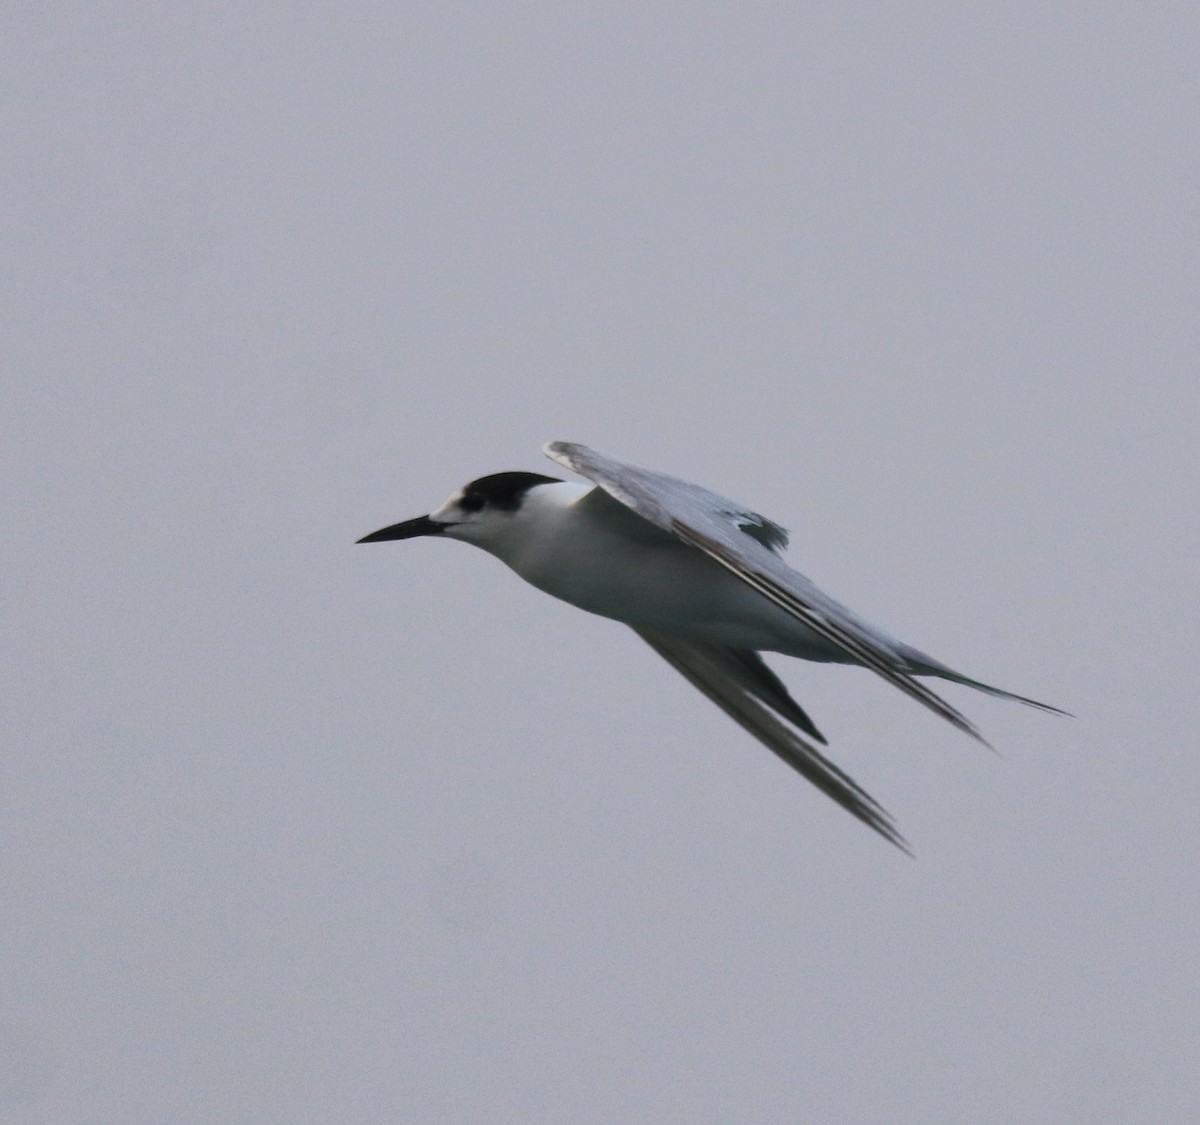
(702, 581)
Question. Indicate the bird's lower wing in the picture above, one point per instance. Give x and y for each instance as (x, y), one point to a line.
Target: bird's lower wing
(752, 672)
(735, 686)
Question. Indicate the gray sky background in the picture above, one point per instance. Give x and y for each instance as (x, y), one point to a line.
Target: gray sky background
(295, 830)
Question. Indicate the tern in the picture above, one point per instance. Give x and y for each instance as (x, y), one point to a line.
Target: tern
(702, 581)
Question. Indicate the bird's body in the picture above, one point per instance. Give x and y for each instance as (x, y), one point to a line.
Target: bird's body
(577, 544)
(700, 579)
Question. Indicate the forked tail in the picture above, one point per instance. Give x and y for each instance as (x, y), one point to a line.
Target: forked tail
(926, 666)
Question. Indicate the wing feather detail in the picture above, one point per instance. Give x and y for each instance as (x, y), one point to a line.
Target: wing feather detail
(719, 674)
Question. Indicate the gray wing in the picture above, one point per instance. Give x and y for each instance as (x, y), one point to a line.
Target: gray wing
(735, 684)
(718, 527)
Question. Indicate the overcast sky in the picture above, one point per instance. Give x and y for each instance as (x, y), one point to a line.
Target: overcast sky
(296, 830)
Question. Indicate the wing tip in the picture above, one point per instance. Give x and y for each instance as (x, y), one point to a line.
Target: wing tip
(879, 820)
(557, 450)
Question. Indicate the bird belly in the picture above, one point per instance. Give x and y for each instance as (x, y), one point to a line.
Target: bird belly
(675, 589)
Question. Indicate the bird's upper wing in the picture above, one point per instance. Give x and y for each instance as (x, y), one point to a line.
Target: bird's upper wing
(744, 688)
(734, 537)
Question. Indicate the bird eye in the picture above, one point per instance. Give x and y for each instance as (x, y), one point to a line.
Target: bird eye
(472, 502)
